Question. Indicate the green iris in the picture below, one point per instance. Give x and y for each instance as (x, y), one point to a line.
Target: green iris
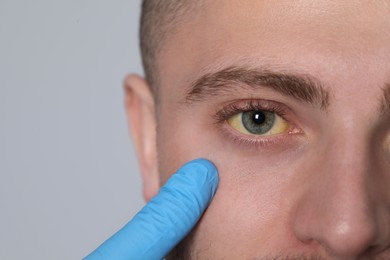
(258, 122)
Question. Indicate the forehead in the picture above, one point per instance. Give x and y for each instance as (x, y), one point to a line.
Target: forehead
(334, 40)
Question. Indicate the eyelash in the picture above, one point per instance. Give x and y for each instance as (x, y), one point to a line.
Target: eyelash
(241, 106)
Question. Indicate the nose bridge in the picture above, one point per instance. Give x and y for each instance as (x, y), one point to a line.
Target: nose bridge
(341, 212)
(347, 175)
(348, 155)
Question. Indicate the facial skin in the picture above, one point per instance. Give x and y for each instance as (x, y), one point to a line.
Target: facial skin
(320, 189)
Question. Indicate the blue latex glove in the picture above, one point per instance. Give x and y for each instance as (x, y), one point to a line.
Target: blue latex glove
(167, 218)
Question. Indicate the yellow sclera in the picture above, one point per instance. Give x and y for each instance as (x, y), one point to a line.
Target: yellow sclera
(279, 125)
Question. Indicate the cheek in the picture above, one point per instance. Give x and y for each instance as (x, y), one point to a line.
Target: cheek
(250, 205)
(256, 193)
(182, 137)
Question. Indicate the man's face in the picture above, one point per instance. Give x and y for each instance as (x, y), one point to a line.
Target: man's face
(310, 177)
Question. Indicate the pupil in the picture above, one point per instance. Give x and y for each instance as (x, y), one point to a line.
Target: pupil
(258, 117)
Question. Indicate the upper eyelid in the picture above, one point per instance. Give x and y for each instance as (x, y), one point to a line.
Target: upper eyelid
(237, 106)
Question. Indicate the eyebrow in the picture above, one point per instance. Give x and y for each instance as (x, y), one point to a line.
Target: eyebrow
(234, 79)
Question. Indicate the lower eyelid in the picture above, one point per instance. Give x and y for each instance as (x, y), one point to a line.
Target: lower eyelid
(278, 141)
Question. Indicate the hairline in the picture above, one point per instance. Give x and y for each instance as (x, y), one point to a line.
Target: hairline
(159, 20)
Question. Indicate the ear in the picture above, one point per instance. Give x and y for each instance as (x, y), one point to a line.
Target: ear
(139, 103)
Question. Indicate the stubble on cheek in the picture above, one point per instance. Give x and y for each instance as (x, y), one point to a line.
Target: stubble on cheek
(184, 249)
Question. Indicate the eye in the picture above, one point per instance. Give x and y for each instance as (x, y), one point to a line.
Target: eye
(258, 122)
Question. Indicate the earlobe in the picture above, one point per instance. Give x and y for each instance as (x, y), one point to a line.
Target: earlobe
(139, 105)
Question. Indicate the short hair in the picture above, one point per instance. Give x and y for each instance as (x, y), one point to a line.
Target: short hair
(159, 18)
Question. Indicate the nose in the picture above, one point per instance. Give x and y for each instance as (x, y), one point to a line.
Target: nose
(345, 208)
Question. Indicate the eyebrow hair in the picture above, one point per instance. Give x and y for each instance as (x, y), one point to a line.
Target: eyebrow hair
(300, 87)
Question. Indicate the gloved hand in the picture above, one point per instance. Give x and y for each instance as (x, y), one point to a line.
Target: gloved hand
(167, 218)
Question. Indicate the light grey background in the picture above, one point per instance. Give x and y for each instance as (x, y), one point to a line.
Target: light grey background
(68, 173)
